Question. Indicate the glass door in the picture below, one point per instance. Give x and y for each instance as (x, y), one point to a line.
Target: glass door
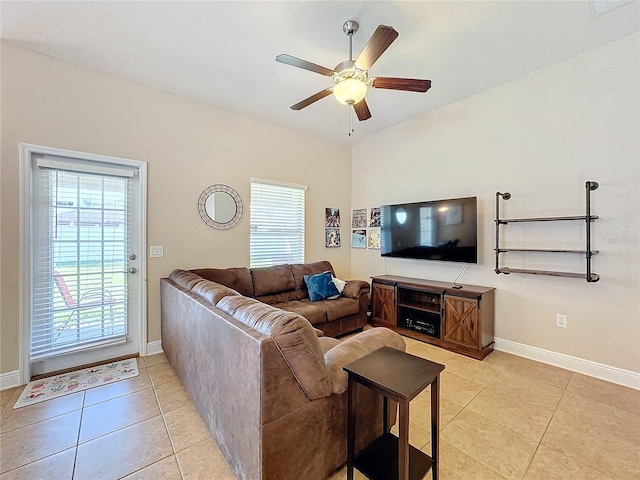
(85, 219)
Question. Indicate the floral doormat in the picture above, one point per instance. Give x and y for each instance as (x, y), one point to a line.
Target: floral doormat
(66, 383)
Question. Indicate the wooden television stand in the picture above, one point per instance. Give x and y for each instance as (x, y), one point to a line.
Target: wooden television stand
(458, 319)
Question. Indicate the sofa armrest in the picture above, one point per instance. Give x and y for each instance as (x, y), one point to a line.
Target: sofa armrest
(319, 332)
(355, 288)
(355, 348)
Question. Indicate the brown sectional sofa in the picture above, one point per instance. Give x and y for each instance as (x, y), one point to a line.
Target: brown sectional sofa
(269, 386)
(283, 287)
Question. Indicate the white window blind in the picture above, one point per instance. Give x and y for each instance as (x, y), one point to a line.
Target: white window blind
(277, 223)
(80, 240)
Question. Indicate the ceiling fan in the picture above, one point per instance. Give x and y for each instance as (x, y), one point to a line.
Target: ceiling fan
(352, 77)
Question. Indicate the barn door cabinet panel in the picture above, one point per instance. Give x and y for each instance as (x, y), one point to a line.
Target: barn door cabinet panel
(468, 322)
(458, 319)
(461, 321)
(383, 305)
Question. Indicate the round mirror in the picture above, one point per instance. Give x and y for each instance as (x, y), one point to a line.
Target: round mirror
(220, 206)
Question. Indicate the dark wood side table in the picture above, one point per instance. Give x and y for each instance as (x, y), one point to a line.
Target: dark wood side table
(401, 377)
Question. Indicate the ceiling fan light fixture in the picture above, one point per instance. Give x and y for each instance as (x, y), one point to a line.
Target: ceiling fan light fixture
(350, 91)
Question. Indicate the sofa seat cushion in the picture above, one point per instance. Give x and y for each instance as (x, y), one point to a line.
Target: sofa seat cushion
(271, 280)
(283, 297)
(237, 278)
(327, 343)
(310, 311)
(338, 308)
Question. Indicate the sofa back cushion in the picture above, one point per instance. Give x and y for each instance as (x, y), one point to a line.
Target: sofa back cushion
(299, 270)
(212, 292)
(294, 337)
(238, 279)
(185, 278)
(271, 280)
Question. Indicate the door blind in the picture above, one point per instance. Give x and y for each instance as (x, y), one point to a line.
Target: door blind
(277, 223)
(78, 273)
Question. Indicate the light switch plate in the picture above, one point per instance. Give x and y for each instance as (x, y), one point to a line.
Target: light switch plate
(156, 251)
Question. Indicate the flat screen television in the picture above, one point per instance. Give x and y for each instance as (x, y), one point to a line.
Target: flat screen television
(445, 230)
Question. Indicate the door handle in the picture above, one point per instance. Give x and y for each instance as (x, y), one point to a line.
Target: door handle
(133, 256)
(132, 270)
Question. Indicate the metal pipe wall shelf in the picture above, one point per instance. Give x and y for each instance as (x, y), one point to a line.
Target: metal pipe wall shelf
(588, 252)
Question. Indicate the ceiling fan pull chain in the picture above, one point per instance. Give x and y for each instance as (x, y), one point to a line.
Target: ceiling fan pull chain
(350, 122)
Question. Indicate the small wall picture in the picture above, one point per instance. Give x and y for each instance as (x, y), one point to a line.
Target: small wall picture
(331, 237)
(373, 239)
(374, 217)
(359, 218)
(358, 239)
(331, 217)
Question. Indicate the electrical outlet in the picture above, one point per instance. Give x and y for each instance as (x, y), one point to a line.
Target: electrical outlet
(561, 320)
(156, 251)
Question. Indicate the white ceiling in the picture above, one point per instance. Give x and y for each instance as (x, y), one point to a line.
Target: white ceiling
(223, 53)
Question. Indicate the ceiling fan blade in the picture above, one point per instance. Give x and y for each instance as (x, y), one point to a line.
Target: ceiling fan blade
(377, 44)
(312, 99)
(362, 110)
(407, 84)
(297, 62)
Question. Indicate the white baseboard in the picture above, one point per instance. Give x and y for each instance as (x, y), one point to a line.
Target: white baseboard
(154, 347)
(619, 376)
(9, 380)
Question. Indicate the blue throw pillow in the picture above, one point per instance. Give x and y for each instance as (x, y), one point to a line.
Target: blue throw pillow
(320, 286)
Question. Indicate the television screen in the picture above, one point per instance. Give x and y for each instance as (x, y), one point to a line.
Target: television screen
(444, 230)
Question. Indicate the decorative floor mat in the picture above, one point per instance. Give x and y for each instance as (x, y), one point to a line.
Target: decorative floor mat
(66, 383)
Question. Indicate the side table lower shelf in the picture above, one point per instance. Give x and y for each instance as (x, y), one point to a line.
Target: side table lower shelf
(379, 461)
(400, 377)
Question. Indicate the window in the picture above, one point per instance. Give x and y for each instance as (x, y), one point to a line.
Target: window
(277, 223)
(80, 245)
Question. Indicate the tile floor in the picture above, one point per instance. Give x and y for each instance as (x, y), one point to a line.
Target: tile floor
(503, 418)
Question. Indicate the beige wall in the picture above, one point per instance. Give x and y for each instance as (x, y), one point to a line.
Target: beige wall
(188, 146)
(539, 137)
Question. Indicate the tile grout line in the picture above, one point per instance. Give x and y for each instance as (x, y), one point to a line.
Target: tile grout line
(564, 390)
(462, 410)
(164, 420)
(82, 409)
(503, 370)
(554, 413)
(475, 459)
(75, 457)
(637, 414)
